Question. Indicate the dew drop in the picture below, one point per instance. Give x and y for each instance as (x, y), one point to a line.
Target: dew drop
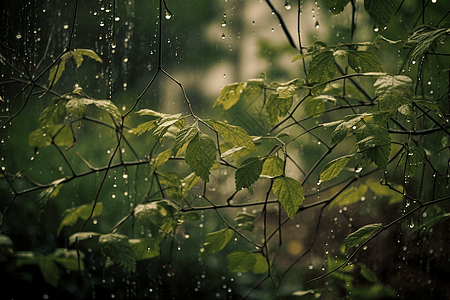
(18, 36)
(317, 24)
(168, 15)
(287, 5)
(224, 23)
(223, 36)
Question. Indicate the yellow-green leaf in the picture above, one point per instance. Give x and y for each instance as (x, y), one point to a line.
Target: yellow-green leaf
(289, 193)
(216, 241)
(359, 235)
(229, 95)
(71, 215)
(234, 134)
(201, 155)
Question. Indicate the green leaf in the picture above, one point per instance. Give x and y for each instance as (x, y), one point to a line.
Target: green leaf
(55, 113)
(375, 142)
(89, 53)
(334, 167)
(39, 139)
(189, 182)
(63, 135)
(70, 216)
(289, 193)
(368, 273)
(229, 95)
(429, 105)
(349, 196)
(161, 159)
(316, 106)
(56, 72)
(336, 6)
(410, 160)
(216, 241)
(298, 57)
(393, 91)
(164, 124)
(49, 270)
(321, 69)
(236, 135)
(144, 127)
(244, 261)
(424, 39)
(155, 216)
(80, 236)
(145, 248)
(408, 112)
(253, 87)
(248, 173)
(273, 166)
(308, 294)
(245, 221)
(380, 11)
(433, 222)
(359, 235)
(6, 247)
(77, 106)
(119, 250)
(184, 136)
(50, 192)
(173, 185)
(201, 155)
(363, 62)
(279, 103)
(68, 258)
(343, 127)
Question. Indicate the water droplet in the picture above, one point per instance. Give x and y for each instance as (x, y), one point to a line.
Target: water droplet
(18, 36)
(376, 29)
(287, 5)
(224, 23)
(317, 24)
(433, 1)
(116, 19)
(66, 26)
(168, 15)
(102, 24)
(223, 36)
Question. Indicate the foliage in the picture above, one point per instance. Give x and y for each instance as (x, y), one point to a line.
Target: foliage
(349, 132)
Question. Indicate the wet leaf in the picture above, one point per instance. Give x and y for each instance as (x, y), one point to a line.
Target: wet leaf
(334, 167)
(184, 136)
(245, 221)
(244, 261)
(248, 173)
(368, 273)
(49, 270)
(273, 166)
(145, 248)
(80, 236)
(119, 250)
(321, 69)
(161, 159)
(236, 135)
(393, 91)
(279, 103)
(216, 241)
(359, 235)
(363, 62)
(423, 39)
(380, 11)
(201, 155)
(289, 193)
(230, 95)
(336, 6)
(72, 215)
(89, 53)
(411, 160)
(144, 127)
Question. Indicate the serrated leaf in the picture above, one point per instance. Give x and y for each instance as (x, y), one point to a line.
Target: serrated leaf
(201, 155)
(245, 221)
(279, 103)
(433, 222)
(410, 160)
(289, 193)
(244, 261)
(423, 39)
(380, 11)
(248, 173)
(77, 106)
(363, 62)
(379, 155)
(408, 112)
(230, 95)
(144, 127)
(163, 125)
(216, 241)
(321, 69)
(336, 6)
(359, 235)
(119, 250)
(349, 196)
(334, 167)
(236, 135)
(393, 91)
(375, 142)
(145, 248)
(368, 273)
(273, 166)
(184, 136)
(82, 236)
(72, 215)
